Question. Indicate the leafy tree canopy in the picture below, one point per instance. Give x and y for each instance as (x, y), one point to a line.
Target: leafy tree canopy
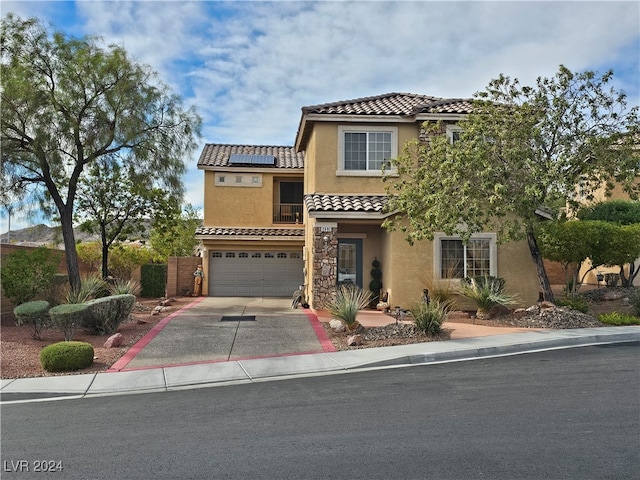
(520, 147)
(174, 234)
(67, 103)
(623, 212)
(116, 202)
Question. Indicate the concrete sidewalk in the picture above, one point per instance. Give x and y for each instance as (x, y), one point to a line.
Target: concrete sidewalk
(243, 350)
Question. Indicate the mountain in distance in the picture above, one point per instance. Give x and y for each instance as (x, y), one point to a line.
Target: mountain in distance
(44, 235)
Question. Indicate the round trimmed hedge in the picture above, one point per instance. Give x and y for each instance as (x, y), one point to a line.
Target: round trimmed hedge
(28, 310)
(66, 356)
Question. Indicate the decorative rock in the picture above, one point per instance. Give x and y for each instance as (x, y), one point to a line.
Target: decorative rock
(612, 295)
(336, 325)
(547, 304)
(114, 340)
(165, 302)
(519, 313)
(354, 340)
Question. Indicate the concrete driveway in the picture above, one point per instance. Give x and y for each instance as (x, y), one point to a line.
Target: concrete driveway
(223, 329)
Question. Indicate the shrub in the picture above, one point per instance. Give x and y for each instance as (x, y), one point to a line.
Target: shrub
(486, 292)
(104, 315)
(26, 274)
(153, 280)
(429, 317)
(90, 287)
(618, 319)
(574, 303)
(34, 314)
(348, 300)
(66, 356)
(68, 317)
(634, 300)
(121, 287)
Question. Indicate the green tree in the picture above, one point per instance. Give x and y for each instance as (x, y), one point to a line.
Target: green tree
(520, 147)
(174, 235)
(115, 201)
(572, 242)
(25, 274)
(127, 257)
(67, 103)
(624, 213)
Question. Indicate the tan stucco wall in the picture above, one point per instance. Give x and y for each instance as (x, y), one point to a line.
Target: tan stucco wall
(242, 206)
(407, 270)
(321, 158)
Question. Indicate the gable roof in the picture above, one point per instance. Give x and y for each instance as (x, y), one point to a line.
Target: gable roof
(386, 107)
(392, 104)
(218, 155)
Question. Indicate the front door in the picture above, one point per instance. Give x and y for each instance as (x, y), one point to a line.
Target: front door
(350, 261)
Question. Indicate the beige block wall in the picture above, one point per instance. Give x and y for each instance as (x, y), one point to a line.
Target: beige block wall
(180, 274)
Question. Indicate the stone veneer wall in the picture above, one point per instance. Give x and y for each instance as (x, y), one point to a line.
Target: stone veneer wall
(325, 266)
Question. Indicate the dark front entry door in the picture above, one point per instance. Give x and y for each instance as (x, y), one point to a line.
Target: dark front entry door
(350, 261)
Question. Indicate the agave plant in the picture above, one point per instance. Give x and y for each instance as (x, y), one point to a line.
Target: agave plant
(348, 300)
(429, 317)
(124, 287)
(90, 287)
(486, 292)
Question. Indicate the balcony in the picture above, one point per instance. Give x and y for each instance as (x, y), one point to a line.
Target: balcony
(287, 213)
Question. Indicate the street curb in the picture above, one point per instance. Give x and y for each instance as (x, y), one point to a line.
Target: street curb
(515, 349)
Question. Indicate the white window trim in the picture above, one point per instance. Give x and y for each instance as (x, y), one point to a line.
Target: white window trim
(342, 129)
(437, 253)
(450, 131)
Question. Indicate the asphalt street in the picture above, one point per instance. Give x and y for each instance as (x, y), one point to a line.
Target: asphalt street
(570, 414)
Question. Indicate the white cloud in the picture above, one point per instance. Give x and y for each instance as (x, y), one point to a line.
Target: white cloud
(250, 66)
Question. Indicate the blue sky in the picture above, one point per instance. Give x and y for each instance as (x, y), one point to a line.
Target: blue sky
(250, 66)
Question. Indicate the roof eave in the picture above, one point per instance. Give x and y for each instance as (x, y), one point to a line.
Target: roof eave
(350, 215)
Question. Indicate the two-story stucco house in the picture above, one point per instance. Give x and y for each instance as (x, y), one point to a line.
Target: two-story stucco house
(279, 217)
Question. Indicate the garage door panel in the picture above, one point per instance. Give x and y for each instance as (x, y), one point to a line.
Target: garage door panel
(252, 273)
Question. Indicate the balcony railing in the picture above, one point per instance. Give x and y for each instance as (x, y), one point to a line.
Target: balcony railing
(287, 213)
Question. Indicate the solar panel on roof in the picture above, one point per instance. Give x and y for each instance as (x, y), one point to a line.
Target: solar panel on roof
(238, 158)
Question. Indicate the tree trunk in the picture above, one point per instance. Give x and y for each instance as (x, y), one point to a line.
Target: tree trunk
(105, 260)
(543, 280)
(69, 237)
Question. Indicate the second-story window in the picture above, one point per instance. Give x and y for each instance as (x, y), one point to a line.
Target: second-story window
(366, 149)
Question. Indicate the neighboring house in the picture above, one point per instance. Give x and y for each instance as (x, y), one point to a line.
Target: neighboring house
(319, 207)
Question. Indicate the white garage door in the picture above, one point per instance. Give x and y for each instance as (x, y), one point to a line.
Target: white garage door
(254, 273)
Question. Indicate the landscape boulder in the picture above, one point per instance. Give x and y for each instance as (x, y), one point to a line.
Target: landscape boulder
(114, 340)
(336, 325)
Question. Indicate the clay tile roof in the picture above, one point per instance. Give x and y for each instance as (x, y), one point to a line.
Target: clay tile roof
(345, 203)
(392, 104)
(253, 232)
(217, 155)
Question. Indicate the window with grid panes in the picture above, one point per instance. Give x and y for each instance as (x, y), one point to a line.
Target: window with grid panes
(458, 260)
(367, 148)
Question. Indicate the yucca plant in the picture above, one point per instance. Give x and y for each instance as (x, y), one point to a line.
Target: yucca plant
(348, 300)
(124, 287)
(429, 317)
(90, 287)
(486, 292)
